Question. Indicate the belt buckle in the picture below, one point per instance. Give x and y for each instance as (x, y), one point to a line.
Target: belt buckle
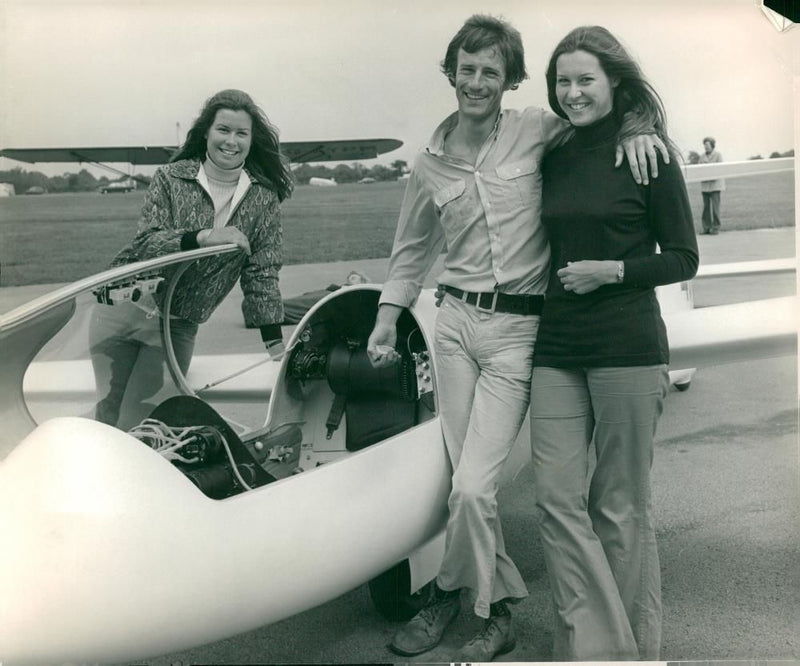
(490, 309)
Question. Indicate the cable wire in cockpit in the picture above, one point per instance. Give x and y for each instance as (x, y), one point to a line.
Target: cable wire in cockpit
(188, 445)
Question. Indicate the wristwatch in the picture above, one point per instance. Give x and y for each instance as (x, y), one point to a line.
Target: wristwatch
(620, 271)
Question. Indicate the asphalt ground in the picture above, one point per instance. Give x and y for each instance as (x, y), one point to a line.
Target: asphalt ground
(728, 514)
(727, 497)
(726, 490)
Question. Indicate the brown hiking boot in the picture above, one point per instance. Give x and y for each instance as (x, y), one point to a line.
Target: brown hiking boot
(424, 631)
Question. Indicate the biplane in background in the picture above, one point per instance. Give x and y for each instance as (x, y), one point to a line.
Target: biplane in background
(296, 152)
(300, 480)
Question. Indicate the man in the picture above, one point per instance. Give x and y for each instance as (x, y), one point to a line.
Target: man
(477, 187)
(711, 189)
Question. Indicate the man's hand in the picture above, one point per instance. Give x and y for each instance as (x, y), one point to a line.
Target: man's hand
(583, 277)
(223, 236)
(383, 339)
(640, 150)
(381, 346)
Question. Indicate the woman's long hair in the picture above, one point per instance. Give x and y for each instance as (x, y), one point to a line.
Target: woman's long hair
(633, 93)
(264, 161)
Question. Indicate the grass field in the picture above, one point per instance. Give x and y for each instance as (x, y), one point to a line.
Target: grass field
(64, 237)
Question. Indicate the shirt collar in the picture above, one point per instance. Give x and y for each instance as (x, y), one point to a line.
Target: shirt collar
(242, 184)
(436, 143)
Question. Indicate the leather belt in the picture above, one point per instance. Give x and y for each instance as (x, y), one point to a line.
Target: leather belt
(495, 301)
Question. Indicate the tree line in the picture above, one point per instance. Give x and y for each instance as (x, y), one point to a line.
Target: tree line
(83, 181)
(349, 173)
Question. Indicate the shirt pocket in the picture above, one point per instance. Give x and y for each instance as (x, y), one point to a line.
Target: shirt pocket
(449, 194)
(522, 179)
(455, 207)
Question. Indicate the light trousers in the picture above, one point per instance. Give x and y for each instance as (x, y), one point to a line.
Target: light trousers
(483, 364)
(128, 358)
(597, 527)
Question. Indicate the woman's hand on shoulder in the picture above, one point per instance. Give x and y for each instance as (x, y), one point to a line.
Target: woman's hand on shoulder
(585, 276)
(223, 236)
(641, 153)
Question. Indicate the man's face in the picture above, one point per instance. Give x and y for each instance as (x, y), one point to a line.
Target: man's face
(480, 83)
(707, 146)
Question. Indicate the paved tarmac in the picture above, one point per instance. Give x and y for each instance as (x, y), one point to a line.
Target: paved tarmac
(726, 491)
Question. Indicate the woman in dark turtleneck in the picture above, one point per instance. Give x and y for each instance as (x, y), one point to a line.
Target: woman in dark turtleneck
(224, 185)
(600, 363)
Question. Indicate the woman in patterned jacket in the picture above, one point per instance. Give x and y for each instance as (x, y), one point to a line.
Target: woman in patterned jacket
(224, 185)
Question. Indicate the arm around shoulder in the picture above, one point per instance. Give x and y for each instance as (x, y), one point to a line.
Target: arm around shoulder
(555, 129)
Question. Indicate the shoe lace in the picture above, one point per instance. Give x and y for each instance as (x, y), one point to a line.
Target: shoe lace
(429, 612)
(485, 635)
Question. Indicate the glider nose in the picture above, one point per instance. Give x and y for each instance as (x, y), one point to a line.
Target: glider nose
(86, 512)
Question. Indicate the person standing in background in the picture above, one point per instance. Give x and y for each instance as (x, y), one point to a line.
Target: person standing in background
(711, 189)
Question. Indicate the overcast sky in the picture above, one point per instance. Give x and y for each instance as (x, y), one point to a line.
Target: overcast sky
(118, 72)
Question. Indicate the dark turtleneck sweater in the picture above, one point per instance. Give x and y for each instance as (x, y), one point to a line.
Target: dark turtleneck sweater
(591, 210)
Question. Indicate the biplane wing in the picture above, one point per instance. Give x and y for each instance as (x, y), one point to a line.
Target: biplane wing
(295, 151)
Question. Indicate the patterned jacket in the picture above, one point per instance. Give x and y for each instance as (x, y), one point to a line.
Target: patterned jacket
(176, 203)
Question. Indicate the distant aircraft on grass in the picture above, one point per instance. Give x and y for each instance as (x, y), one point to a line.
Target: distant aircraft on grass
(323, 475)
(322, 182)
(123, 186)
